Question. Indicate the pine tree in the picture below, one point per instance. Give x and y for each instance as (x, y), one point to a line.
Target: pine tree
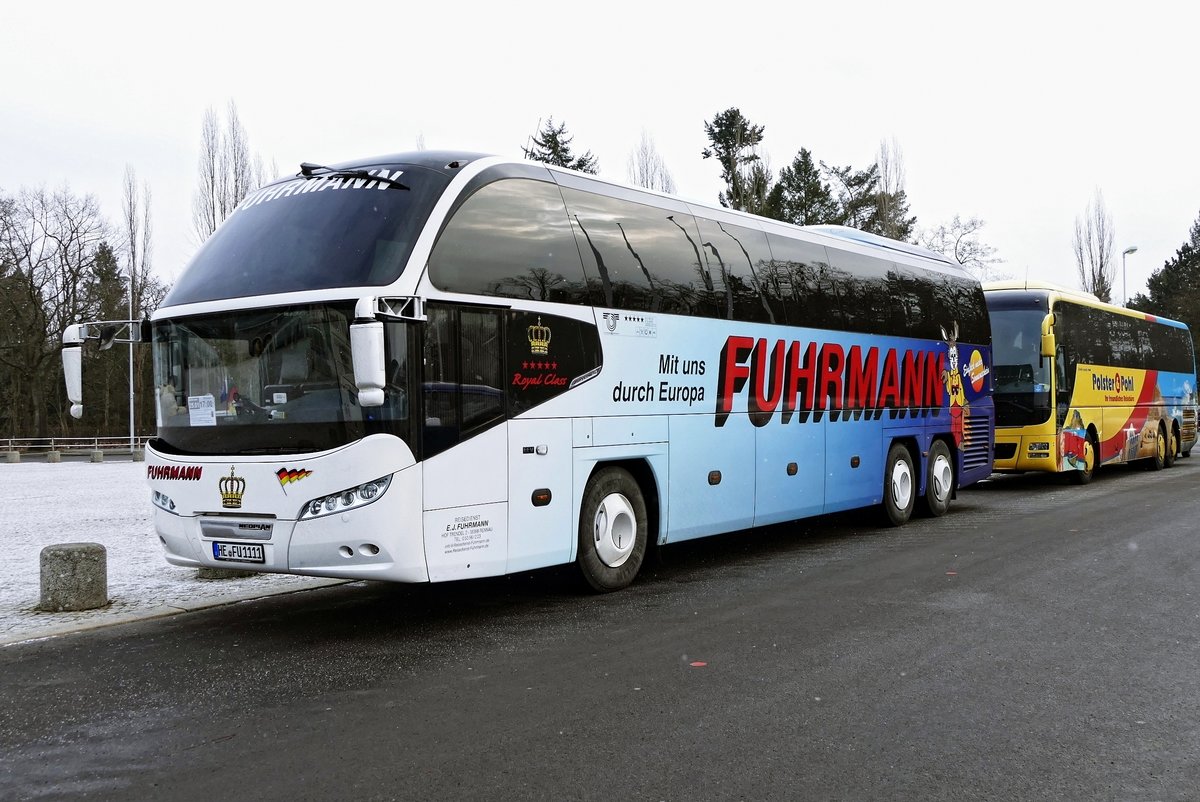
(857, 194)
(800, 196)
(734, 145)
(1174, 289)
(891, 217)
(552, 145)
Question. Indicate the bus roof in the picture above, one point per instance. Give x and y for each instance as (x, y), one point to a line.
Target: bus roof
(442, 159)
(1042, 286)
(1057, 291)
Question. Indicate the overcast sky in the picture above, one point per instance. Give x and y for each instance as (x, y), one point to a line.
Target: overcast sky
(1016, 114)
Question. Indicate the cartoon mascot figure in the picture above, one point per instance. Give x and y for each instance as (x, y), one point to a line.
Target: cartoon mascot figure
(952, 379)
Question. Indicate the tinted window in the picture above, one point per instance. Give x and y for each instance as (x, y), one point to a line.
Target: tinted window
(1098, 337)
(799, 284)
(462, 359)
(641, 257)
(510, 239)
(860, 283)
(305, 234)
(739, 262)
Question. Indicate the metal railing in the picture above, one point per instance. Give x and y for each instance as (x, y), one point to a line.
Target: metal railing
(70, 445)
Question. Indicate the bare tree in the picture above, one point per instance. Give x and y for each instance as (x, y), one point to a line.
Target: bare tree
(228, 171)
(647, 169)
(959, 239)
(145, 290)
(1093, 244)
(891, 199)
(48, 251)
(135, 217)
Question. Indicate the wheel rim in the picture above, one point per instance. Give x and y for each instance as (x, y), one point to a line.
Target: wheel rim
(614, 530)
(941, 474)
(1162, 445)
(901, 484)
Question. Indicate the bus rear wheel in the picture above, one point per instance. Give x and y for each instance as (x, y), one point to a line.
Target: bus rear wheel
(613, 530)
(899, 487)
(1172, 448)
(939, 480)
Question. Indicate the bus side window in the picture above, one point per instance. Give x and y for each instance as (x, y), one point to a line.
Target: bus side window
(462, 367)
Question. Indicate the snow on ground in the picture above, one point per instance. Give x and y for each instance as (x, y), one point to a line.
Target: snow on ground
(42, 504)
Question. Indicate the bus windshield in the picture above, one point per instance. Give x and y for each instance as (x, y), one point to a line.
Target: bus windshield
(270, 381)
(314, 232)
(1021, 375)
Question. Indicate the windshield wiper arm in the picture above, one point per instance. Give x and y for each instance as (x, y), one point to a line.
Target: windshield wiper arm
(308, 170)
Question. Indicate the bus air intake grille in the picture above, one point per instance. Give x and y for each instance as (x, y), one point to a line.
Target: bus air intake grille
(1006, 450)
(978, 451)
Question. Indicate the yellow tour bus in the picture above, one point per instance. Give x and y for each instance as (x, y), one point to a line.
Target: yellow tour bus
(1079, 383)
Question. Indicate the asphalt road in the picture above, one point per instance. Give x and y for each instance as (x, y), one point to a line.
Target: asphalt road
(1039, 642)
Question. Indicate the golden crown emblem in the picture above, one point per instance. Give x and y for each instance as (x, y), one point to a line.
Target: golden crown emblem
(232, 488)
(539, 338)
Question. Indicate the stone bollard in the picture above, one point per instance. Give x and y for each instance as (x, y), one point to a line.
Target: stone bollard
(138, 455)
(97, 456)
(53, 456)
(12, 456)
(74, 577)
(222, 573)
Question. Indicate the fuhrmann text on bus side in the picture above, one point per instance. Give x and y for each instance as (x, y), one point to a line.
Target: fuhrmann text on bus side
(799, 378)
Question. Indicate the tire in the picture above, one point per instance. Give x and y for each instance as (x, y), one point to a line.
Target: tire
(613, 530)
(1159, 460)
(939, 480)
(1093, 457)
(1172, 448)
(899, 486)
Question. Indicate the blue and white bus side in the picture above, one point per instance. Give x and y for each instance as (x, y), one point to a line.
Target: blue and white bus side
(544, 368)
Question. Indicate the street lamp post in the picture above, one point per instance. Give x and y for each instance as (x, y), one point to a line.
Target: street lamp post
(132, 433)
(1124, 279)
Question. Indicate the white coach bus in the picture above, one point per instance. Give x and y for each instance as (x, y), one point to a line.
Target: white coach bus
(434, 366)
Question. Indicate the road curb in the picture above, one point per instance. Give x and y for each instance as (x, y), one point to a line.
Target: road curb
(55, 630)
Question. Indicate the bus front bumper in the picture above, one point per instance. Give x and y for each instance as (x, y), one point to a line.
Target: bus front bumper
(1014, 454)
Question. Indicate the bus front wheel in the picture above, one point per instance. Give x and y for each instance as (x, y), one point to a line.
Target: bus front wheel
(939, 480)
(612, 530)
(1091, 458)
(899, 487)
(1159, 460)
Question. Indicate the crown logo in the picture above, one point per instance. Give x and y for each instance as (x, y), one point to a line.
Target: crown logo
(232, 488)
(539, 338)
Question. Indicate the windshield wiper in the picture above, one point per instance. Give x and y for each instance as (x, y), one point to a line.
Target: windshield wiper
(308, 170)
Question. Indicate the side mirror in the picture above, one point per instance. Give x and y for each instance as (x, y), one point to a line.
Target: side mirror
(1049, 347)
(108, 335)
(367, 350)
(72, 357)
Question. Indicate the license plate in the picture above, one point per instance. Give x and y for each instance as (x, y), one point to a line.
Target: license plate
(239, 552)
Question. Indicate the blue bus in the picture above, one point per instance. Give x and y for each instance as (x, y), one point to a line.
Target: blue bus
(432, 366)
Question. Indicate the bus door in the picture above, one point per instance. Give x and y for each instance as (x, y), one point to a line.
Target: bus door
(464, 443)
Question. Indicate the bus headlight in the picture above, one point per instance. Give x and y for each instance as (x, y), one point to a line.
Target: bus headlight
(344, 500)
(164, 502)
